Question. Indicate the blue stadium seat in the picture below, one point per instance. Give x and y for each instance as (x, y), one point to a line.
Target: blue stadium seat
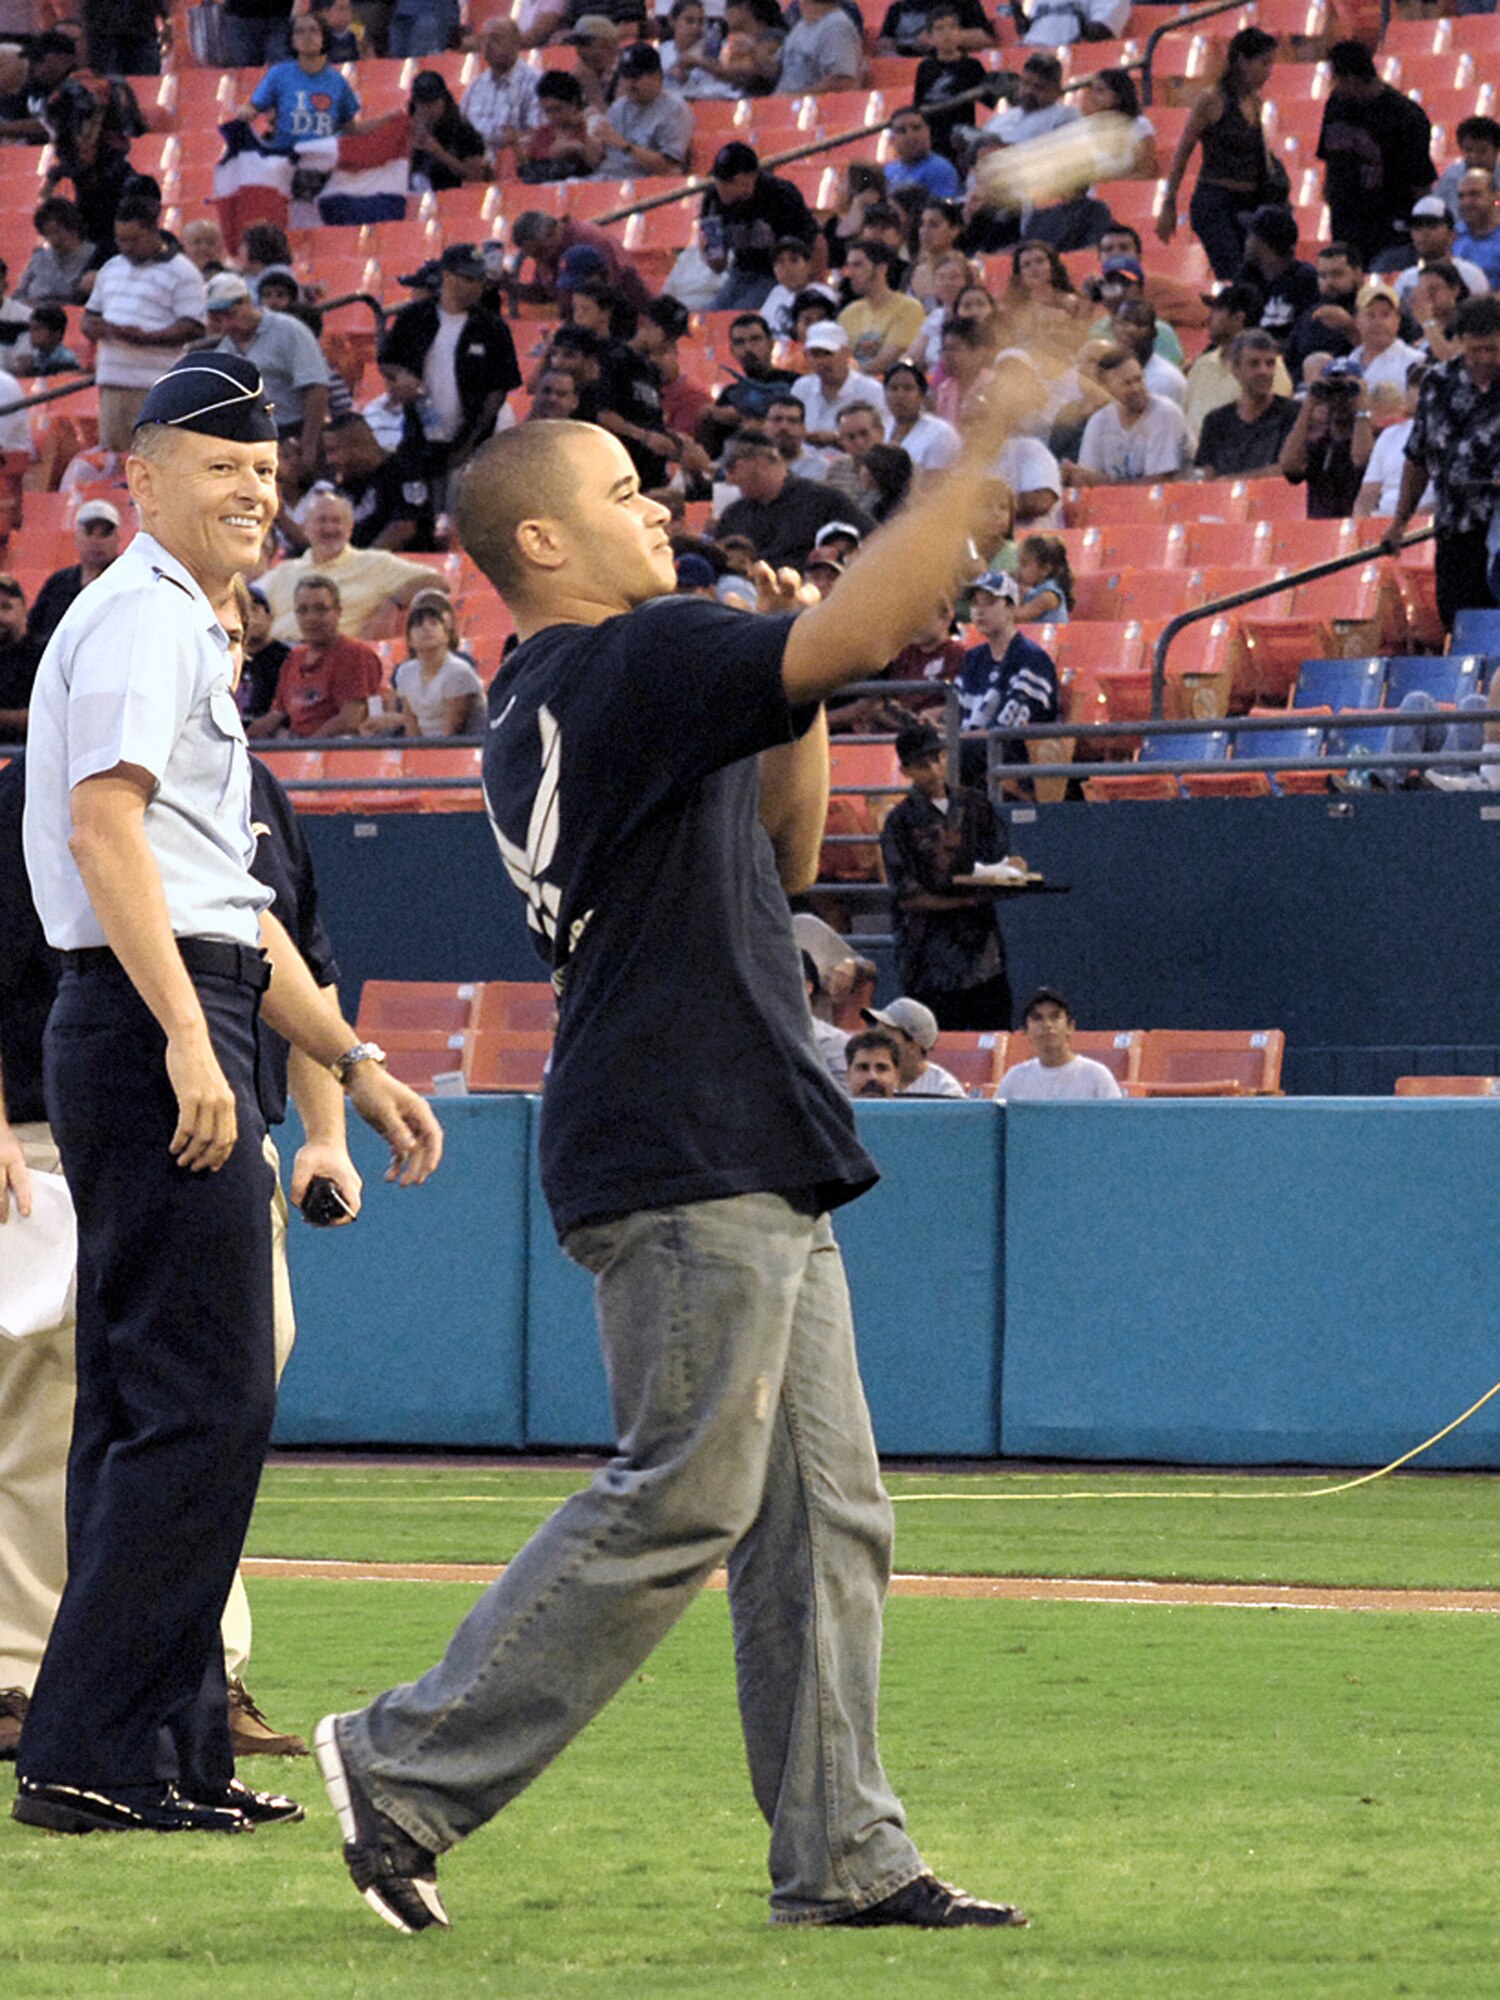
(1446, 677)
(1193, 746)
(1477, 632)
(1339, 684)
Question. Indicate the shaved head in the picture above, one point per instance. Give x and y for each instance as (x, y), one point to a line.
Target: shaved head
(525, 474)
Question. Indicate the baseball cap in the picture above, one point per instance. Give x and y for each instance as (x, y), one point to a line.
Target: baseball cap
(996, 583)
(1376, 289)
(831, 531)
(1041, 998)
(738, 590)
(916, 743)
(1124, 267)
(733, 160)
(640, 59)
(823, 559)
(910, 1017)
(695, 573)
(825, 336)
(593, 28)
(820, 941)
(257, 594)
(1345, 369)
(426, 278)
(97, 510)
(578, 264)
(1432, 208)
(462, 260)
(223, 291)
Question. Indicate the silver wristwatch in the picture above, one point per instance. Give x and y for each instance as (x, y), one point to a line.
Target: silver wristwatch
(361, 1052)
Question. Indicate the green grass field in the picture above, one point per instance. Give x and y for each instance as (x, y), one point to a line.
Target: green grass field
(1192, 1803)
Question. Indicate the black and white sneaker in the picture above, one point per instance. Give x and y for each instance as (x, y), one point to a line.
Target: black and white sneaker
(396, 1876)
(77, 1809)
(264, 1808)
(930, 1905)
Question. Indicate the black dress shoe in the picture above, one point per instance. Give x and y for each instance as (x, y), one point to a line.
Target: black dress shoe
(264, 1808)
(76, 1809)
(931, 1905)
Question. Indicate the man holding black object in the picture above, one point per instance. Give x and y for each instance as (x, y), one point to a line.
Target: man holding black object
(138, 840)
(656, 773)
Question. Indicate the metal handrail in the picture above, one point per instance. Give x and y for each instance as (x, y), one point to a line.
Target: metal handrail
(698, 184)
(1370, 553)
(1185, 19)
(1339, 718)
(69, 388)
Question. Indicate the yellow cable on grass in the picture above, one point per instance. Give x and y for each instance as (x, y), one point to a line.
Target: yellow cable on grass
(899, 1499)
(1306, 1493)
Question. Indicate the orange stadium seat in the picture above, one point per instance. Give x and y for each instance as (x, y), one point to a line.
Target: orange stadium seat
(1183, 1062)
(458, 761)
(1134, 593)
(433, 1006)
(417, 1055)
(526, 1006)
(1448, 1086)
(506, 1059)
(976, 1059)
(1226, 544)
(1093, 506)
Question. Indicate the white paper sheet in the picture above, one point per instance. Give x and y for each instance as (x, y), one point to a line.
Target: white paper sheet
(38, 1261)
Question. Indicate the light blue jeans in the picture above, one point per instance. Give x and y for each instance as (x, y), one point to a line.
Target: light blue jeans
(744, 1437)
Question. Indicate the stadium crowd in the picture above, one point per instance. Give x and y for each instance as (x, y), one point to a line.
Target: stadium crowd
(1361, 368)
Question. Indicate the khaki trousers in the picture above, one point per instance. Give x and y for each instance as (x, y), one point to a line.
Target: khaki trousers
(36, 1424)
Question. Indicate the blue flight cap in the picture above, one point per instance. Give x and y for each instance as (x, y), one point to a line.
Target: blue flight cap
(217, 395)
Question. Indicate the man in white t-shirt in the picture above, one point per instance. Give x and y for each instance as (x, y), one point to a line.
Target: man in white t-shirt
(832, 381)
(915, 1029)
(1136, 436)
(1054, 1075)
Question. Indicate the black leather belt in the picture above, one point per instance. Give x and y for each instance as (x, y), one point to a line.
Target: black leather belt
(246, 964)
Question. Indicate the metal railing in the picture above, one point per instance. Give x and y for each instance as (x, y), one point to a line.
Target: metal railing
(72, 387)
(1185, 17)
(1371, 552)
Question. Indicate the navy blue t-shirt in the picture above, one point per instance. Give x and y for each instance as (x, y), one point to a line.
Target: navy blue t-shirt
(621, 782)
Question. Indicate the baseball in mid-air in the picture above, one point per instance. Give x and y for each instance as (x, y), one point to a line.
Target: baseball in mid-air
(1059, 164)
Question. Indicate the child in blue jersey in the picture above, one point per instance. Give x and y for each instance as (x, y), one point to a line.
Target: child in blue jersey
(1009, 679)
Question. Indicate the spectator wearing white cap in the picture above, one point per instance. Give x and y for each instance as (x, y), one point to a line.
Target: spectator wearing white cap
(292, 366)
(916, 1030)
(1432, 228)
(832, 382)
(96, 536)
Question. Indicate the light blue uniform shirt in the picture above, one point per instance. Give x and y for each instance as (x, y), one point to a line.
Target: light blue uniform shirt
(138, 672)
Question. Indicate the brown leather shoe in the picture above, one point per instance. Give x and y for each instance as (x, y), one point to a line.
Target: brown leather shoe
(930, 1905)
(249, 1732)
(14, 1703)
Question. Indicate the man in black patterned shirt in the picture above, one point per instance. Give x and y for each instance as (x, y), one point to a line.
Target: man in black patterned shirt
(1455, 442)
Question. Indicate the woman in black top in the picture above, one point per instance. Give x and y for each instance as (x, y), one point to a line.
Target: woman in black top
(1233, 176)
(446, 150)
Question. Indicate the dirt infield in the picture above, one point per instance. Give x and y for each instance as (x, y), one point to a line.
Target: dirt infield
(1031, 1589)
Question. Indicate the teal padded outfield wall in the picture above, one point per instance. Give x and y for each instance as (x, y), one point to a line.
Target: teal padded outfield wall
(1362, 926)
(1210, 1282)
